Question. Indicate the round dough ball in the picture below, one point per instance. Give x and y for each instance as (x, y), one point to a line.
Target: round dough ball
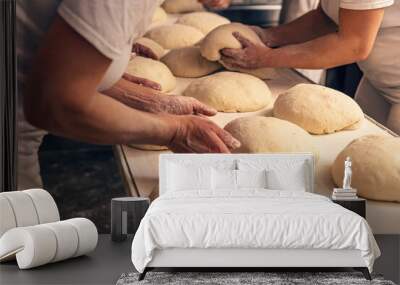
(222, 37)
(230, 92)
(175, 36)
(318, 109)
(182, 6)
(270, 135)
(155, 47)
(152, 70)
(204, 21)
(159, 15)
(188, 62)
(375, 165)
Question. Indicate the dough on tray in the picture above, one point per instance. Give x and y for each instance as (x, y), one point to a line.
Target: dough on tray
(222, 37)
(204, 21)
(188, 62)
(153, 70)
(175, 36)
(259, 134)
(182, 6)
(230, 92)
(155, 47)
(375, 165)
(159, 15)
(318, 109)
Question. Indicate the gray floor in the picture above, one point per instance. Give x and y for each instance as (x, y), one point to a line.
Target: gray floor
(106, 264)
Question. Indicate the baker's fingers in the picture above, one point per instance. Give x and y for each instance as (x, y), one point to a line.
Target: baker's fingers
(243, 41)
(203, 109)
(232, 62)
(217, 145)
(142, 81)
(230, 52)
(228, 139)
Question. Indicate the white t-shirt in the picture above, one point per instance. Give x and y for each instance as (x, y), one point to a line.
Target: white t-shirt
(382, 67)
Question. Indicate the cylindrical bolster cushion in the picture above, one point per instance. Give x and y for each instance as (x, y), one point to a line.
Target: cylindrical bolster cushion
(41, 244)
(45, 205)
(7, 218)
(23, 208)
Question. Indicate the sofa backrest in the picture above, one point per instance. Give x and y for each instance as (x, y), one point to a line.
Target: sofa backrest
(277, 162)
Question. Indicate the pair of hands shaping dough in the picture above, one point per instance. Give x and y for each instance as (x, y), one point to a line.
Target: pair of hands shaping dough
(194, 132)
(250, 56)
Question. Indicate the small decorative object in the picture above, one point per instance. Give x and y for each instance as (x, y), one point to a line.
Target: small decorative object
(126, 214)
(347, 192)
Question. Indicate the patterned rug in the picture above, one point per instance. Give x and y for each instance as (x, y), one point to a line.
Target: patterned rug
(253, 278)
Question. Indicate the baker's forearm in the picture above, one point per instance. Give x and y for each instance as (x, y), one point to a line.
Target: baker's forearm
(307, 27)
(105, 121)
(321, 53)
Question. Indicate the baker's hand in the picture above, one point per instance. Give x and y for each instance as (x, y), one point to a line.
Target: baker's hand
(183, 105)
(144, 51)
(218, 4)
(200, 135)
(250, 56)
(266, 36)
(142, 81)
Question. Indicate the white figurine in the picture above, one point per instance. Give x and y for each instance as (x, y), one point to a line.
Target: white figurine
(347, 174)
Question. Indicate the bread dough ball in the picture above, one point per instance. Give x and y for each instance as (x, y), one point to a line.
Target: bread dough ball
(182, 6)
(155, 47)
(204, 21)
(159, 15)
(175, 36)
(318, 109)
(230, 92)
(149, 147)
(152, 70)
(222, 37)
(375, 166)
(260, 134)
(188, 62)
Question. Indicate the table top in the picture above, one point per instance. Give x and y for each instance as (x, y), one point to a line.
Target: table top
(102, 266)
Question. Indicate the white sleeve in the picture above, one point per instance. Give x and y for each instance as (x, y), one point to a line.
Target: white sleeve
(106, 24)
(365, 4)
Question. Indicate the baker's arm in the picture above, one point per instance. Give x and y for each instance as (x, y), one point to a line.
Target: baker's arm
(311, 25)
(352, 42)
(61, 97)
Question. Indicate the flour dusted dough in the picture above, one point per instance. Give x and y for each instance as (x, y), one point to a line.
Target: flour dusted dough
(182, 6)
(230, 92)
(375, 165)
(155, 47)
(159, 15)
(204, 21)
(260, 134)
(175, 36)
(188, 62)
(318, 109)
(222, 37)
(152, 70)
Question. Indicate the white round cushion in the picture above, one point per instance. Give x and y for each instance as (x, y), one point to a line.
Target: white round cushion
(204, 21)
(375, 166)
(175, 36)
(45, 205)
(318, 109)
(230, 92)
(188, 62)
(23, 208)
(258, 134)
(153, 70)
(40, 244)
(7, 218)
